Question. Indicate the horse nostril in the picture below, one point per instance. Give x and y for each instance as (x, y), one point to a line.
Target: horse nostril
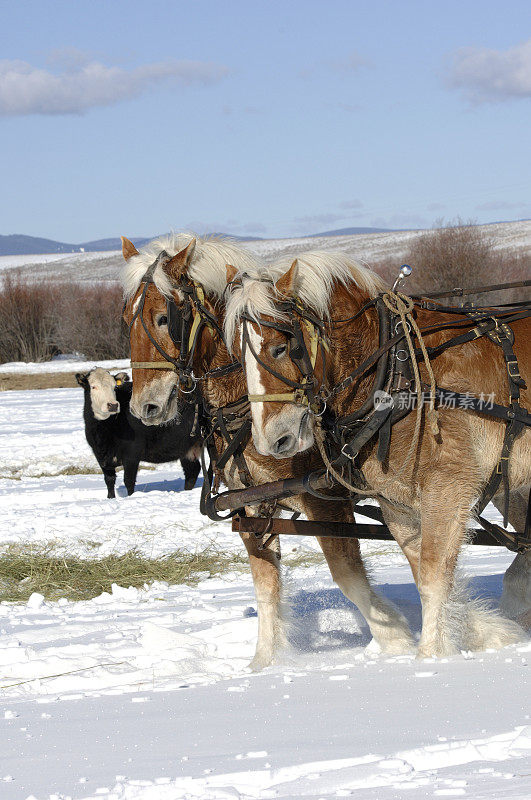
(113, 407)
(284, 444)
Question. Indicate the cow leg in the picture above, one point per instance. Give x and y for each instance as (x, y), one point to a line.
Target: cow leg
(191, 471)
(130, 472)
(109, 474)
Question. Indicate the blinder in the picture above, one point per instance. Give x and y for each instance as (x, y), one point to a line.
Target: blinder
(179, 321)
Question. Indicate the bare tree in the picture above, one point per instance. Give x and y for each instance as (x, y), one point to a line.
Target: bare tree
(40, 319)
(457, 254)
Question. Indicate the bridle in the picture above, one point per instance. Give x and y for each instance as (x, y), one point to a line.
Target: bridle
(305, 391)
(185, 323)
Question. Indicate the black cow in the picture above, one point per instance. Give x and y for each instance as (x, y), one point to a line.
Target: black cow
(117, 438)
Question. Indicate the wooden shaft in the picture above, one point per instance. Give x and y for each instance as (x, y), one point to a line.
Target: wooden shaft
(341, 530)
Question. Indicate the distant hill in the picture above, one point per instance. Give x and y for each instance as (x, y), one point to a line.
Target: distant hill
(18, 244)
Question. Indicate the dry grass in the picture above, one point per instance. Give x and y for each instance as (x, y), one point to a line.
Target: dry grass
(22, 381)
(54, 573)
(25, 569)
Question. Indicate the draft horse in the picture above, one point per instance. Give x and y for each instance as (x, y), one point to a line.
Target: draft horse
(174, 307)
(315, 337)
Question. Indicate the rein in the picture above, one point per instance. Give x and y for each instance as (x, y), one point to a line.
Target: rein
(231, 422)
(397, 369)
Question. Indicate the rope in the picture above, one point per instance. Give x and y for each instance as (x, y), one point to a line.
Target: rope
(320, 439)
(403, 306)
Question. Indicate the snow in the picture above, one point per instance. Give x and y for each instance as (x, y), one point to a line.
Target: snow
(514, 237)
(145, 694)
(69, 363)
(30, 260)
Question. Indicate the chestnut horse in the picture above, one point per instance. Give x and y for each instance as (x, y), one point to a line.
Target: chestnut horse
(431, 479)
(180, 262)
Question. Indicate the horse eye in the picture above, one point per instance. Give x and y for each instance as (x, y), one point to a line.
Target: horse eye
(278, 350)
(162, 320)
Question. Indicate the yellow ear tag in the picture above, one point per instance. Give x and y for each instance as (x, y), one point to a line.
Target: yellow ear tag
(118, 383)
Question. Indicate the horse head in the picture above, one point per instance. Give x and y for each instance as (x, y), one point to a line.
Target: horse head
(279, 324)
(172, 291)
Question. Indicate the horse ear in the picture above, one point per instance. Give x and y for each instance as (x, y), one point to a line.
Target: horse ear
(175, 267)
(286, 284)
(231, 272)
(128, 248)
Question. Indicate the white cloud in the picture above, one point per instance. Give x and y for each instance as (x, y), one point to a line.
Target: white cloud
(486, 75)
(25, 89)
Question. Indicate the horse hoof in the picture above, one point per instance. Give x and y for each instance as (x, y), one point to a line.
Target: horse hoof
(260, 662)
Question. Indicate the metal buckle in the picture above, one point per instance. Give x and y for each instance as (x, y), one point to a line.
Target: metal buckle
(348, 455)
(512, 369)
(400, 323)
(323, 407)
(191, 381)
(299, 397)
(499, 464)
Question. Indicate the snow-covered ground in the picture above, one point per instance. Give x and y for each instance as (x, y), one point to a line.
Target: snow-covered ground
(67, 363)
(145, 694)
(12, 262)
(513, 237)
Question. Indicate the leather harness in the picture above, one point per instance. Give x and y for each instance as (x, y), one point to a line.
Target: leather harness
(351, 433)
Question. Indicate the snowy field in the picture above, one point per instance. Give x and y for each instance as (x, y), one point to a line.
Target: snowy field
(510, 237)
(66, 363)
(146, 694)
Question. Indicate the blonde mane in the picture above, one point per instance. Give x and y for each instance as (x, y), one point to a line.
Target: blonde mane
(317, 274)
(208, 265)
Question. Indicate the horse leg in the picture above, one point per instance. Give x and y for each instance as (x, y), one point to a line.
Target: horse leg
(405, 530)
(450, 620)
(515, 601)
(387, 625)
(191, 471)
(265, 569)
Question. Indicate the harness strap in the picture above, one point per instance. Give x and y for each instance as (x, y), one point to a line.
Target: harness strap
(153, 365)
(459, 292)
(304, 390)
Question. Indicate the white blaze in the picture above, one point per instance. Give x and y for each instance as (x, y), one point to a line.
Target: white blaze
(254, 379)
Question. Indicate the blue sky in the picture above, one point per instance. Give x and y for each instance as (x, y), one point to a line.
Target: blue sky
(265, 118)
